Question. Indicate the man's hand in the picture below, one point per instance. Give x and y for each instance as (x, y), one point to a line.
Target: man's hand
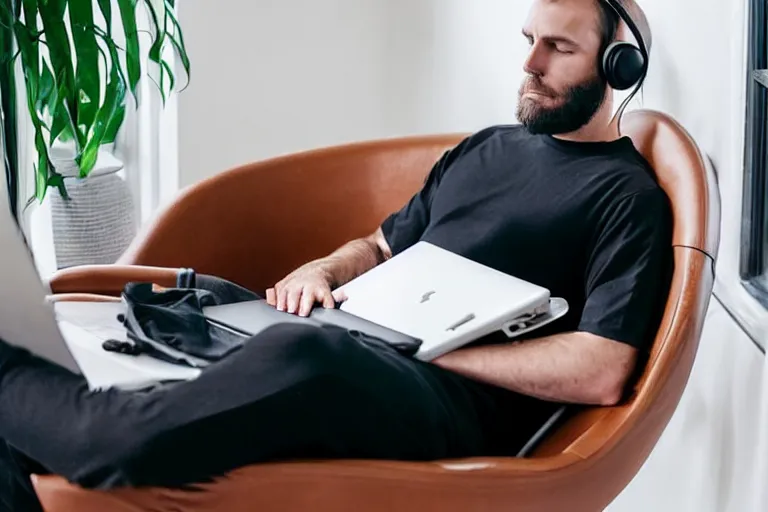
(300, 290)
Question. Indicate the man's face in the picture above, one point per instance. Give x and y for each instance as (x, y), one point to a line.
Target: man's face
(563, 88)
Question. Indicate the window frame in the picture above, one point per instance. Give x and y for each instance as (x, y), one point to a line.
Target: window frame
(733, 287)
(754, 254)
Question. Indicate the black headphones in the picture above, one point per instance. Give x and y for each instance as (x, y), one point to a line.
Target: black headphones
(624, 64)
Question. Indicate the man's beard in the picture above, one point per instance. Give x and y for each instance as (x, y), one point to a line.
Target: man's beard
(581, 103)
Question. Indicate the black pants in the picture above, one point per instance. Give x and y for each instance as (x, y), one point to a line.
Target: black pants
(290, 392)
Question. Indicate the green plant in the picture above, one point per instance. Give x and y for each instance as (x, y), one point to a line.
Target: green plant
(76, 86)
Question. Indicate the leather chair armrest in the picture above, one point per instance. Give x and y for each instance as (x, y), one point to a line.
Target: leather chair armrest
(81, 297)
(108, 279)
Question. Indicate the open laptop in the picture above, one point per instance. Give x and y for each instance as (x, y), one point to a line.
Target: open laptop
(68, 334)
(426, 293)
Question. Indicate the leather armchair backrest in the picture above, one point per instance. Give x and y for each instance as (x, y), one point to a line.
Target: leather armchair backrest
(685, 174)
(689, 182)
(254, 224)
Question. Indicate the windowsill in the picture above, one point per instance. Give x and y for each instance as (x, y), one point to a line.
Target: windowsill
(758, 288)
(746, 310)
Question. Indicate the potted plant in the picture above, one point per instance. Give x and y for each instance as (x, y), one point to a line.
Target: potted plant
(76, 82)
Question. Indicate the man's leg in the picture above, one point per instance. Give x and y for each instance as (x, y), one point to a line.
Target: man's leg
(16, 491)
(292, 391)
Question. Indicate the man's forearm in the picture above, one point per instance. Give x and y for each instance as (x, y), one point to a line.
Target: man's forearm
(573, 367)
(350, 260)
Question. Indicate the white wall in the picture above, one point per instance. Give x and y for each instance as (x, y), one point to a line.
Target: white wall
(712, 457)
(275, 76)
(288, 75)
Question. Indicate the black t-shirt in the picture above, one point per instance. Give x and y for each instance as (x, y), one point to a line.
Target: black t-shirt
(588, 221)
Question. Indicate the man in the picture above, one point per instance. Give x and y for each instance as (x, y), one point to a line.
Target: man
(560, 200)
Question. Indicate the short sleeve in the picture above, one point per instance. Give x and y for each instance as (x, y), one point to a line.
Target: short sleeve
(628, 271)
(404, 227)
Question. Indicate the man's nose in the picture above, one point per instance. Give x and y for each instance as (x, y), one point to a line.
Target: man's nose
(535, 63)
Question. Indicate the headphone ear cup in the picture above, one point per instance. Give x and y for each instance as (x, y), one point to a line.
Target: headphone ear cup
(623, 65)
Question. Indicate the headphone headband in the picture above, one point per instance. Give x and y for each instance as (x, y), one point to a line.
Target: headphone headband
(627, 18)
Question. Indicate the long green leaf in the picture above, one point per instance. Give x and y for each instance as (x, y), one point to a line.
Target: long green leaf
(61, 126)
(113, 100)
(114, 125)
(30, 20)
(132, 49)
(165, 66)
(51, 12)
(47, 88)
(57, 180)
(87, 79)
(43, 163)
(8, 104)
(26, 44)
(177, 39)
(41, 174)
(7, 132)
(27, 50)
(156, 50)
(106, 11)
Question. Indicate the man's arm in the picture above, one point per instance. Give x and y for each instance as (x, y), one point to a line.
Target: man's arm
(354, 258)
(576, 367)
(625, 283)
(312, 282)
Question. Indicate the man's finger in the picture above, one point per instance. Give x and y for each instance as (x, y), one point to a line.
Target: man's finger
(271, 297)
(308, 299)
(292, 301)
(282, 295)
(327, 298)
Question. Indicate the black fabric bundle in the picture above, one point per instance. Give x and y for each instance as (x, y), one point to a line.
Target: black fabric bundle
(169, 324)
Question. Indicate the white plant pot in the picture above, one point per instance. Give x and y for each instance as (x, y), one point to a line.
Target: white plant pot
(97, 223)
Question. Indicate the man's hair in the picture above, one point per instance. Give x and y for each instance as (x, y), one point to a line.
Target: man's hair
(608, 25)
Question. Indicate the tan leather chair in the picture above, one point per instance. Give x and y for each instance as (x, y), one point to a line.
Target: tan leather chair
(255, 223)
